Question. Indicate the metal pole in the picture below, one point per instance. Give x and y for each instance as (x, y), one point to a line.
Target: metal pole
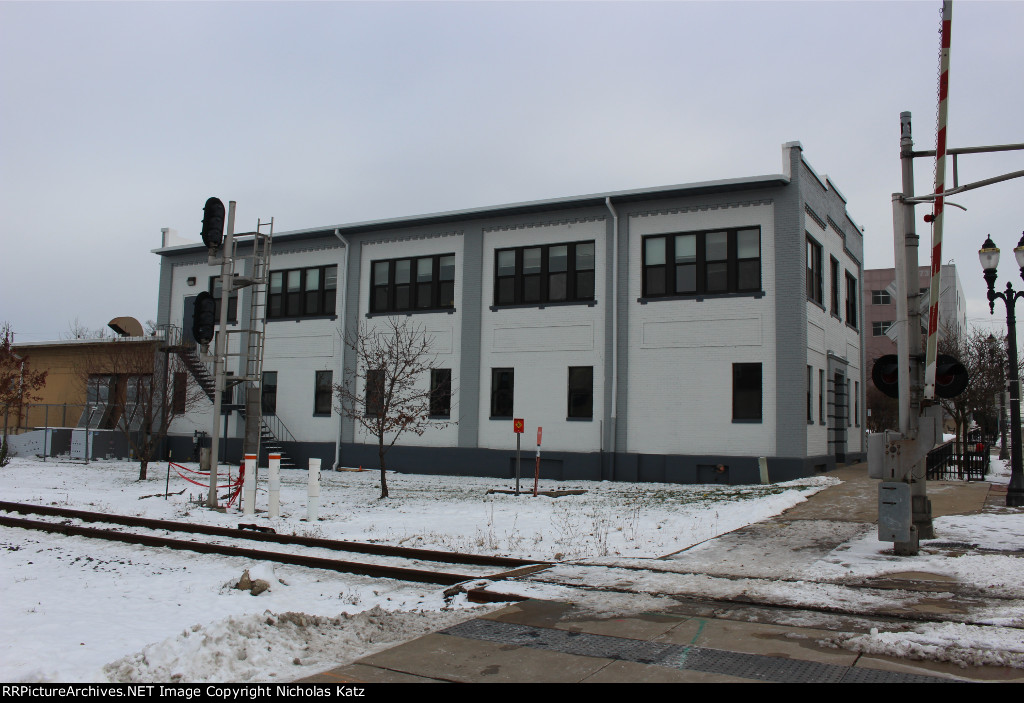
(1004, 451)
(518, 437)
(219, 351)
(1015, 491)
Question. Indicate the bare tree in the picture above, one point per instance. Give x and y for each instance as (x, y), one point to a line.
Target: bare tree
(984, 360)
(144, 392)
(391, 389)
(19, 384)
(78, 330)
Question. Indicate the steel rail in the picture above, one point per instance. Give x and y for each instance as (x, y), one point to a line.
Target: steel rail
(373, 570)
(340, 545)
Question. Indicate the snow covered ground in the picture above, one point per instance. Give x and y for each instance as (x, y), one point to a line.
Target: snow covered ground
(80, 610)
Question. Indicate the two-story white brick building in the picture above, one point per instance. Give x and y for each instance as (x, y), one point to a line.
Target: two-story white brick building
(664, 334)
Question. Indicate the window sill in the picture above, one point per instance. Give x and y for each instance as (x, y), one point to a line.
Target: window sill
(580, 419)
(321, 414)
(816, 304)
(701, 297)
(852, 327)
(502, 418)
(747, 422)
(300, 318)
(439, 417)
(541, 306)
(410, 313)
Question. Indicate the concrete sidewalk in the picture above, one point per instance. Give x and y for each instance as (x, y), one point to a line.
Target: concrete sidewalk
(693, 640)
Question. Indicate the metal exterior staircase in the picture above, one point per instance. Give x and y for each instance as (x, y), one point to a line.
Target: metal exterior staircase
(271, 431)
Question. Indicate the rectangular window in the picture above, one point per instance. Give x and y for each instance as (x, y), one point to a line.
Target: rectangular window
(440, 392)
(374, 392)
(551, 273)
(810, 390)
(214, 290)
(879, 327)
(814, 272)
(502, 392)
(821, 397)
(180, 391)
(415, 283)
(268, 393)
(881, 297)
(856, 403)
(835, 286)
(851, 300)
(746, 392)
(306, 292)
(323, 391)
(581, 391)
(849, 405)
(694, 263)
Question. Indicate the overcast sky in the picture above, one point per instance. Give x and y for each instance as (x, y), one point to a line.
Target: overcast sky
(118, 119)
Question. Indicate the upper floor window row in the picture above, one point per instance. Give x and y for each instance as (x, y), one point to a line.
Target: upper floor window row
(694, 263)
(304, 292)
(549, 273)
(420, 283)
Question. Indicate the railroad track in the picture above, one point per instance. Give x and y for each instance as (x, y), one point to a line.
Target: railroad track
(133, 530)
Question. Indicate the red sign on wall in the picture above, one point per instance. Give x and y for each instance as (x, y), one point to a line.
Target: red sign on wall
(519, 425)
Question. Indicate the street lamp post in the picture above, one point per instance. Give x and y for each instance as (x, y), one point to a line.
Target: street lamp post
(989, 256)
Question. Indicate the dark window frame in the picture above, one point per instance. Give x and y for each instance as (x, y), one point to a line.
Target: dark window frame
(268, 393)
(851, 300)
(821, 396)
(880, 327)
(747, 401)
(835, 285)
(214, 290)
(550, 280)
(681, 274)
(502, 397)
(815, 274)
(323, 392)
(406, 288)
(289, 304)
(810, 394)
(580, 398)
(881, 297)
(440, 393)
(375, 380)
(179, 399)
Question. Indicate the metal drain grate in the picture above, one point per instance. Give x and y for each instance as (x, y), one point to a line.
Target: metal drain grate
(714, 661)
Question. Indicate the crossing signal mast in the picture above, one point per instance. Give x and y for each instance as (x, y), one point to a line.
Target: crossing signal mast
(916, 375)
(205, 322)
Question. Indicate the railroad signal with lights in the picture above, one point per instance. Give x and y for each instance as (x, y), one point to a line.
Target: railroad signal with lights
(951, 377)
(213, 223)
(204, 318)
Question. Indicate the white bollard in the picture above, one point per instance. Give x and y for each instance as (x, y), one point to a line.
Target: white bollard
(249, 486)
(313, 504)
(274, 484)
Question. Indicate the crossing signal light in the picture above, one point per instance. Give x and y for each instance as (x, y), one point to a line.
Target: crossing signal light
(886, 375)
(951, 377)
(213, 223)
(204, 318)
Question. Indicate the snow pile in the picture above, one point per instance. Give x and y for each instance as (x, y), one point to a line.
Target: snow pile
(965, 645)
(255, 648)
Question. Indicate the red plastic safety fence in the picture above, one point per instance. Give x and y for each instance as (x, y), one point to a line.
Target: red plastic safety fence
(234, 485)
